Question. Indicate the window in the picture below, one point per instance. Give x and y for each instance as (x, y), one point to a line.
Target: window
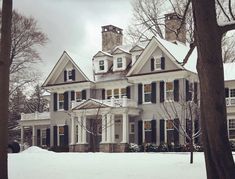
(132, 128)
(109, 94)
(190, 91)
(70, 74)
(147, 93)
(43, 137)
(116, 93)
(232, 92)
(78, 96)
(147, 126)
(169, 91)
(231, 128)
(61, 101)
(170, 131)
(119, 62)
(101, 65)
(61, 135)
(123, 92)
(158, 64)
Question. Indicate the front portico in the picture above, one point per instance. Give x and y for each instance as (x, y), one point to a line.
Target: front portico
(101, 125)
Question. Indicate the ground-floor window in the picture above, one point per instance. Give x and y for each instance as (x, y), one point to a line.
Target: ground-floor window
(148, 131)
(43, 137)
(61, 136)
(170, 131)
(231, 128)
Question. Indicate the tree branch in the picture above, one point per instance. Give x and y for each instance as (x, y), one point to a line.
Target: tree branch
(227, 27)
(192, 46)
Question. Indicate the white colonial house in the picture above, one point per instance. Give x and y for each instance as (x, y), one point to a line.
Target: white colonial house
(136, 96)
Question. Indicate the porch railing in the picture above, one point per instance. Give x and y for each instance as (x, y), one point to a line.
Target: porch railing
(35, 116)
(230, 101)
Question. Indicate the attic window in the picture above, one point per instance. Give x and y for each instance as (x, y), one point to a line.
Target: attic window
(70, 75)
(101, 65)
(157, 64)
(119, 62)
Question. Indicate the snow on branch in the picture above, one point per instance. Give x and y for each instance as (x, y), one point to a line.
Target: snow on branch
(225, 27)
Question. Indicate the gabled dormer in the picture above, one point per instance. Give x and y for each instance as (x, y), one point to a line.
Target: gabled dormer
(102, 62)
(121, 59)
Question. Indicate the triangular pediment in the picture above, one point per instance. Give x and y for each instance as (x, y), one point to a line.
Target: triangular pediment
(57, 74)
(101, 54)
(119, 51)
(136, 48)
(91, 104)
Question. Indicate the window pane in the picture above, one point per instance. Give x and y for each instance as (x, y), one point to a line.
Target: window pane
(109, 94)
(157, 63)
(169, 86)
(119, 62)
(147, 97)
(61, 130)
(232, 92)
(123, 91)
(78, 96)
(147, 88)
(147, 125)
(61, 97)
(169, 124)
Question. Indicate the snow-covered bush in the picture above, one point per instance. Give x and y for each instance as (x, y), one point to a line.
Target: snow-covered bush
(133, 147)
(162, 148)
(151, 147)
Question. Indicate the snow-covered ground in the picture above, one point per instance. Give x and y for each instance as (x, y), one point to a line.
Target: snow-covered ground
(36, 163)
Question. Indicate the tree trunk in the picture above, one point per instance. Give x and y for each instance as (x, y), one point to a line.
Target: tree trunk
(4, 83)
(218, 156)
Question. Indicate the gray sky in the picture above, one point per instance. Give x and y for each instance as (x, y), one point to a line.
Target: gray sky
(74, 26)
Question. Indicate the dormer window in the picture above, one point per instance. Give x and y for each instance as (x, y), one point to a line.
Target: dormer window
(157, 63)
(101, 65)
(119, 62)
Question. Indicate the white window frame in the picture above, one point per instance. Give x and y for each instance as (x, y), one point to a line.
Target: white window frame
(41, 137)
(143, 95)
(172, 91)
(157, 63)
(231, 128)
(101, 65)
(119, 62)
(58, 102)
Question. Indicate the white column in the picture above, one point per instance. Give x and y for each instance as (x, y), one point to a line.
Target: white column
(84, 130)
(103, 129)
(108, 128)
(33, 136)
(124, 128)
(22, 135)
(79, 130)
(72, 130)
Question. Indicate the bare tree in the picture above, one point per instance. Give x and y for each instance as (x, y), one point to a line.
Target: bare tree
(208, 37)
(187, 123)
(5, 63)
(26, 37)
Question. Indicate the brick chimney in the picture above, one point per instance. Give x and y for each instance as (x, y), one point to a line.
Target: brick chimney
(173, 22)
(111, 37)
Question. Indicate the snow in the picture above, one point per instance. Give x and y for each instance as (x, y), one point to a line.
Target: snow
(38, 163)
(229, 71)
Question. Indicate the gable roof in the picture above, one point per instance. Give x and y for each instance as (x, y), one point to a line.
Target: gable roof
(173, 51)
(119, 50)
(59, 66)
(102, 53)
(91, 104)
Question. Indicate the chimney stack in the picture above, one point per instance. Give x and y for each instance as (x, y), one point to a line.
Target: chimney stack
(111, 37)
(172, 23)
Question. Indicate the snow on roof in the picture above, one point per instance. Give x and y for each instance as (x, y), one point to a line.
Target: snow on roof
(229, 71)
(125, 48)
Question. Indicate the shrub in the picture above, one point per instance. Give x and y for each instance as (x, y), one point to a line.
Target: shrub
(133, 148)
(151, 147)
(162, 148)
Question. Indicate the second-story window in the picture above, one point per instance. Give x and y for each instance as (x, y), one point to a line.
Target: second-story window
(147, 93)
(61, 101)
(78, 96)
(116, 93)
(123, 92)
(169, 91)
(101, 65)
(109, 94)
(119, 62)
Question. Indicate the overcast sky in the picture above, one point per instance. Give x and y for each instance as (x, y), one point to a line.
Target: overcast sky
(74, 26)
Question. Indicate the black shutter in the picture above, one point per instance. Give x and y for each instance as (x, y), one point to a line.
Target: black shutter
(72, 97)
(55, 135)
(140, 93)
(153, 95)
(83, 94)
(128, 92)
(188, 129)
(176, 133)
(162, 131)
(66, 101)
(66, 135)
(226, 92)
(140, 132)
(48, 137)
(38, 137)
(152, 64)
(55, 101)
(154, 131)
(103, 94)
(163, 63)
(73, 74)
(187, 90)
(176, 90)
(162, 91)
(65, 75)
(195, 92)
